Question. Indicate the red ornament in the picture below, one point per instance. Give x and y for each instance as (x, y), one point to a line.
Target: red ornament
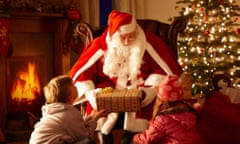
(207, 32)
(235, 19)
(219, 1)
(202, 9)
(238, 30)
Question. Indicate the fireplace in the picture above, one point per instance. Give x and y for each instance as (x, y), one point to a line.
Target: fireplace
(39, 53)
(25, 76)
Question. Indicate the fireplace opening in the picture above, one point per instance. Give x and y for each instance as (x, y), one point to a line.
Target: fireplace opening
(25, 75)
(25, 86)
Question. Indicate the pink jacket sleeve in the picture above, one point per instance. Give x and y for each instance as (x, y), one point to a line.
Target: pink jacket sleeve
(152, 135)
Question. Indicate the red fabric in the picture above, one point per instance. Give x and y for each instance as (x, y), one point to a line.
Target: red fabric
(219, 120)
(170, 89)
(91, 48)
(149, 66)
(118, 19)
(4, 39)
(165, 52)
(158, 44)
(2, 137)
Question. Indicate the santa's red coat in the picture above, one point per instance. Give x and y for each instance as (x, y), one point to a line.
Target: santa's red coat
(90, 65)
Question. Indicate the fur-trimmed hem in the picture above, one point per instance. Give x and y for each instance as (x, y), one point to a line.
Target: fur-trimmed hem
(154, 79)
(82, 88)
(131, 123)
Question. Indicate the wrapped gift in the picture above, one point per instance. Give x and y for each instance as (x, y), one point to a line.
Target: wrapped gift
(124, 100)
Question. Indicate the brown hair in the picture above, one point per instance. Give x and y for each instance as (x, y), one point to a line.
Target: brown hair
(174, 107)
(156, 107)
(58, 89)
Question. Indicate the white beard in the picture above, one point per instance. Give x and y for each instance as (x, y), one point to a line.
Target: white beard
(124, 61)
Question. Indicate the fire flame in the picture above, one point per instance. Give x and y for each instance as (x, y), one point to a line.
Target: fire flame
(26, 85)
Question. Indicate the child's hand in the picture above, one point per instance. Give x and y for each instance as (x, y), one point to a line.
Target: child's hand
(98, 114)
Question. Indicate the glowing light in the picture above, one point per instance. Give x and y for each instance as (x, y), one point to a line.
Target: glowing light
(26, 85)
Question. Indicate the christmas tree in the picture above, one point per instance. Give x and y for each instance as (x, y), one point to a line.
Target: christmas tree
(211, 41)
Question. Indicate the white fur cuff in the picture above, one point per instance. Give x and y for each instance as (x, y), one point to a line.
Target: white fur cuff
(150, 94)
(154, 80)
(82, 88)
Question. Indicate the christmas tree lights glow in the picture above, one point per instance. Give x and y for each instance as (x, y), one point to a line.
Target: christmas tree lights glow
(211, 41)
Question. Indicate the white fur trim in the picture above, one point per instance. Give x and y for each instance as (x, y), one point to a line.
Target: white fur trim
(150, 94)
(158, 59)
(154, 80)
(100, 123)
(106, 124)
(121, 82)
(82, 88)
(91, 97)
(133, 124)
(110, 122)
(128, 28)
(89, 63)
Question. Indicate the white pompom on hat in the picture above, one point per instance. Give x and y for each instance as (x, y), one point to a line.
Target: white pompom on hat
(170, 89)
(121, 22)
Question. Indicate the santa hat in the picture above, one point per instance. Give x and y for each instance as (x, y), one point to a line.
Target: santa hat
(170, 89)
(121, 22)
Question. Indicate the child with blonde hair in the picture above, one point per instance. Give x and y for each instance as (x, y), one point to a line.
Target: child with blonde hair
(61, 122)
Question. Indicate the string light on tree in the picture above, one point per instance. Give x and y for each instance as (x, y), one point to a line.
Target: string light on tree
(210, 42)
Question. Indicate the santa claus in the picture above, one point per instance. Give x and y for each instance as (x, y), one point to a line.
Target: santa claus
(124, 56)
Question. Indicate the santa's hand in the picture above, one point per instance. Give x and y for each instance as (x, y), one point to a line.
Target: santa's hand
(149, 94)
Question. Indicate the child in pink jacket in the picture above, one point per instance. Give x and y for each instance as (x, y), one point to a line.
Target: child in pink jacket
(174, 121)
